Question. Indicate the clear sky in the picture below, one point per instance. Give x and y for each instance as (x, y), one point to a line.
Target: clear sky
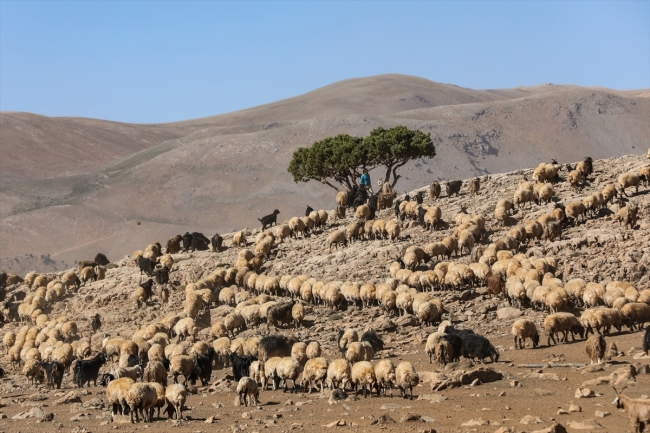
(147, 61)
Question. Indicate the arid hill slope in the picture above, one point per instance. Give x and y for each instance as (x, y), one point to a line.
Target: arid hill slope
(227, 171)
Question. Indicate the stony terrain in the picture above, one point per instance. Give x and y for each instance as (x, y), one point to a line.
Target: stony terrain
(525, 398)
(112, 187)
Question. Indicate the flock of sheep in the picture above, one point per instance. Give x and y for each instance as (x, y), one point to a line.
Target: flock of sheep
(137, 383)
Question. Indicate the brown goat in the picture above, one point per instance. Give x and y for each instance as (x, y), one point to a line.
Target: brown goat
(638, 409)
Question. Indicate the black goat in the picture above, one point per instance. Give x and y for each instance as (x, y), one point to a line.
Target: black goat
(54, 372)
(88, 370)
(147, 266)
(419, 197)
(148, 287)
(132, 360)
(459, 332)
(96, 322)
(375, 340)
(646, 340)
(275, 345)
(477, 346)
(187, 241)
(199, 242)
(421, 212)
(453, 187)
(203, 365)
(165, 362)
(161, 275)
(308, 211)
(106, 378)
(3, 280)
(241, 365)
(352, 194)
(216, 242)
(101, 259)
(2, 372)
(590, 164)
(269, 220)
(397, 203)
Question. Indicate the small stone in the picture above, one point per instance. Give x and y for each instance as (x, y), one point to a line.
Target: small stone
(575, 408)
(246, 415)
(210, 420)
(584, 393)
(588, 424)
(502, 394)
(410, 417)
(514, 383)
(602, 414)
(475, 421)
(562, 412)
(529, 419)
(288, 402)
(385, 419)
(390, 406)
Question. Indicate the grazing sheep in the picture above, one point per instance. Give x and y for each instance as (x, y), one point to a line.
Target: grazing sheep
(522, 329)
(474, 186)
(335, 238)
(434, 190)
(638, 312)
(116, 391)
(279, 313)
(248, 392)
(155, 372)
(595, 348)
(363, 374)
(565, 323)
(627, 214)
(132, 372)
(315, 371)
(141, 397)
(359, 351)
(628, 180)
(234, 322)
(181, 365)
(338, 373)
(346, 338)
(406, 378)
(287, 369)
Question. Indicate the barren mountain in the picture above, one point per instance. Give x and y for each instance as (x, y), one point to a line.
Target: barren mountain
(222, 173)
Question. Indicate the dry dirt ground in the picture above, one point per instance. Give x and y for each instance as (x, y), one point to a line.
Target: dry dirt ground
(596, 250)
(105, 186)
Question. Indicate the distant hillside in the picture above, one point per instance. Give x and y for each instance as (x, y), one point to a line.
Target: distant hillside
(222, 173)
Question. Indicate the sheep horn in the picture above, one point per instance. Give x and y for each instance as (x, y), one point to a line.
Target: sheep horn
(615, 390)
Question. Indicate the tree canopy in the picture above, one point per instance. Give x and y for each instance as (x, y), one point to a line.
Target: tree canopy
(341, 159)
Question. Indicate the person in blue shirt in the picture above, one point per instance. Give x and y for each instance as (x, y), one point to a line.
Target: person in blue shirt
(364, 180)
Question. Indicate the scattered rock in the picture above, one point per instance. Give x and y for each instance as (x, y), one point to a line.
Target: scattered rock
(36, 412)
(555, 428)
(509, 313)
(410, 417)
(602, 414)
(584, 393)
(588, 424)
(385, 419)
(475, 422)
(574, 408)
(529, 419)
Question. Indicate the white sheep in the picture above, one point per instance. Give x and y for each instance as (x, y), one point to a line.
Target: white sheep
(338, 373)
(406, 378)
(523, 329)
(315, 371)
(385, 376)
(248, 392)
(362, 373)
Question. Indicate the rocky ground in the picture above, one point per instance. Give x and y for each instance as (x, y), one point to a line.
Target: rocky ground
(523, 397)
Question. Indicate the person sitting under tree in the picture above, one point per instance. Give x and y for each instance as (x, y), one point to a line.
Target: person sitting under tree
(364, 180)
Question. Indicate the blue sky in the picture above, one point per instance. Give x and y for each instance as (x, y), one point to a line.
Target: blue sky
(149, 62)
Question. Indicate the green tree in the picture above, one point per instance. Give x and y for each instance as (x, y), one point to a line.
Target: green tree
(342, 158)
(394, 147)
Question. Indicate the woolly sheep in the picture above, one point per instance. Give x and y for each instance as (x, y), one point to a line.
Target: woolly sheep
(338, 373)
(133, 372)
(335, 238)
(115, 392)
(248, 392)
(313, 350)
(406, 378)
(359, 351)
(181, 365)
(362, 373)
(185, 327)
(315, 371)
(392, 230)
(141, 397)
(155, 372)
(562, 322)
(287, 368)
(234, 322)
(523, 329)
(628, 180)
(595, 348)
